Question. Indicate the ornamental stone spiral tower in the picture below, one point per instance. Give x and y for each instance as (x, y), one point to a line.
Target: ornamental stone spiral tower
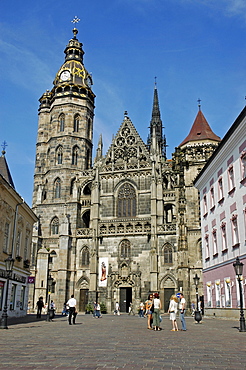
(126, 225)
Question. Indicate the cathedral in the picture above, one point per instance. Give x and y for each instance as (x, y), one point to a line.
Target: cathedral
(124, 224)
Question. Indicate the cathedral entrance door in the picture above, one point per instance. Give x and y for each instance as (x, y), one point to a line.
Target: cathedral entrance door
(125, 299)
(83, 299)
(168, 292)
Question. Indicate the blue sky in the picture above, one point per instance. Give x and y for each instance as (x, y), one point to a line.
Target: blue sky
(196, 48)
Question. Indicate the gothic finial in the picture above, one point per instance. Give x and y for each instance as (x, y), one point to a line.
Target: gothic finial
(155, 81)
(199, 103)
(125, 114)
(75, 31)
(4, 144)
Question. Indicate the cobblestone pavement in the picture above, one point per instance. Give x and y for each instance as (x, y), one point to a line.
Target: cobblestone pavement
(120, 342)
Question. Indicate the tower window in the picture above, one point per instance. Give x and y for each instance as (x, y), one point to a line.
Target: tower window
(76, 123)
(127, 201)
(75, 155)
(55, 226)
(57, 188)
(59, 154)
(87, 159)
(61, 122)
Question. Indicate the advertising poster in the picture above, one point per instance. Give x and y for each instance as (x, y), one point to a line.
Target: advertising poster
(103, 271)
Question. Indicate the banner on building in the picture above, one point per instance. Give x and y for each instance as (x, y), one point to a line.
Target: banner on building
(103, 271)
(31, 279)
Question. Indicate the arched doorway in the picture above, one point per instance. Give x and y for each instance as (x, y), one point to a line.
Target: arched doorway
(169, 290)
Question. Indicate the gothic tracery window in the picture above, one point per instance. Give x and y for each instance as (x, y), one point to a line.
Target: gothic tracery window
(126, 201)
(75, 154)
(85, 257)
(168, 254)
(57, 188)
(59, 154)
(125, 249)
(55, 226)
(76, 123)
(61, 122)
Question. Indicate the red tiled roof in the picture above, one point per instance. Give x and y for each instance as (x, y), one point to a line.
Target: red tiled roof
(200, 130)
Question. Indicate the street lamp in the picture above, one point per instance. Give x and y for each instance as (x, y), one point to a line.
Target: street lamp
(238, 267)
(198, 316)
(9, 263)
(49, 284)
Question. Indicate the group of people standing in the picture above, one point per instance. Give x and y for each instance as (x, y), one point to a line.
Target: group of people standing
(153, 307)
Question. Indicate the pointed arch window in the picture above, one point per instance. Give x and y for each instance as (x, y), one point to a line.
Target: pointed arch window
(59, 154)
(85, 257)
(168, 254)
(57, 188)
(126, 201)
(87, 159)
(76, 123)
(72, 185)
(125, 249)
(55, 226)
(75, 155)
(61, 122)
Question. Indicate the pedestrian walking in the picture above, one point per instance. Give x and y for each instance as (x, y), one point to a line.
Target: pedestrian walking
(131, 310)
(65, 309)
(182, 307)
(172, 310)
(148, 310)
(98, 311)
(40, 306)
(71, 303)
(117, 309)
(156, 313)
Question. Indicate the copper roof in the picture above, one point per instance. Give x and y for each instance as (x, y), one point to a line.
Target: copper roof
(200, 130)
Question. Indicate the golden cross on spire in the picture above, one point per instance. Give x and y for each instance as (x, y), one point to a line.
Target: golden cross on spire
(75, 20)
(199, 103)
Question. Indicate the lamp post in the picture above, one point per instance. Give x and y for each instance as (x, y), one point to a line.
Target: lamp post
(198, 316)
(238, 267)
(49, 284)
(9, 263)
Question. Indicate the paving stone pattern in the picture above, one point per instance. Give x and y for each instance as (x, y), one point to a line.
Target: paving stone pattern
(120, 342)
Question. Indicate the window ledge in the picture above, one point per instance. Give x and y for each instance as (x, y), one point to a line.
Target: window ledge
(243, 181)
(215, 255)
(205, 214)
(207, 259)
(237, 245)
(225, 251)
(212, 209)
(232, 191)
(221, 200)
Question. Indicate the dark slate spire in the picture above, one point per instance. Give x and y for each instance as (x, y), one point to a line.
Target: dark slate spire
(157, 123)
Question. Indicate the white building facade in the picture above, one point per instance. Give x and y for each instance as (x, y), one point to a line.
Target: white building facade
(222, 187)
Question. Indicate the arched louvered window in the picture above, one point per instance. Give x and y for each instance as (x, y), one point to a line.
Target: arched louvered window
(76, 123)
(85, 257)
(55, 226)
(59, 154)
(125, 249)
(61, 122)
(57, 188)
(126, 201)
(75, 155)
(168, 254)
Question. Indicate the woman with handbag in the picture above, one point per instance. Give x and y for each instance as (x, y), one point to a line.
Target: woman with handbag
(172, 310)
(148, 311)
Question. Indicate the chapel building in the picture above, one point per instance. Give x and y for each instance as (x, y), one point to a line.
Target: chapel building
(125, 224)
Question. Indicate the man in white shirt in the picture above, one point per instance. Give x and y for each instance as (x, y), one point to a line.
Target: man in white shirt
(182, 306)
(71, 303)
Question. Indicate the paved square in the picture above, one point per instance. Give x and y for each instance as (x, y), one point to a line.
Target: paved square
(120, 342)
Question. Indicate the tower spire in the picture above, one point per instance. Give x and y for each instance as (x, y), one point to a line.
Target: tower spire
(157, 123)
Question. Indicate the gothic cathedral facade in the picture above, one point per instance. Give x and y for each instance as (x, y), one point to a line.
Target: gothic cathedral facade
(124, 225)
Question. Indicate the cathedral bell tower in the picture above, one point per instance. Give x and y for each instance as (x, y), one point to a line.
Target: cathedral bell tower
(63, 156)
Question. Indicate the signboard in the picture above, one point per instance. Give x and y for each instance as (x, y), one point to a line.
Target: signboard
(31, 279)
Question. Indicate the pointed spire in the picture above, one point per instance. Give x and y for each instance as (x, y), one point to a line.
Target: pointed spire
(157, 123)
(99, 148)
(200, 129)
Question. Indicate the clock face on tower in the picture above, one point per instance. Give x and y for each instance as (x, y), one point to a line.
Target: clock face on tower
(65, 75)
